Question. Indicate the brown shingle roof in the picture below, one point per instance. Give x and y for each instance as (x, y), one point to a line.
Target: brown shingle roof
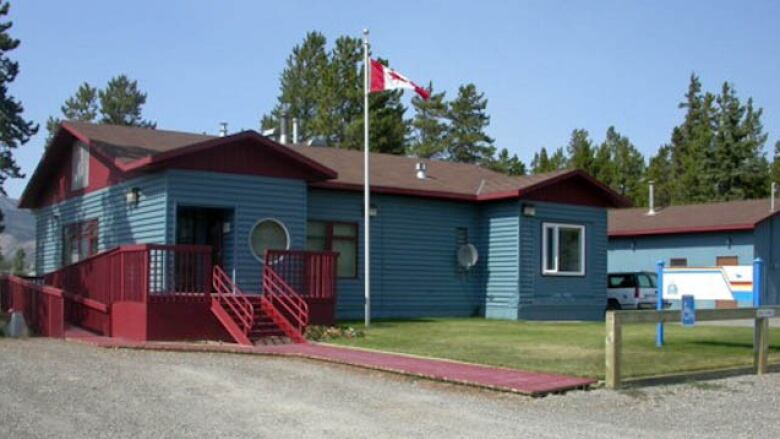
(127, 144)
(691, 218)
(134, 148)
(400, 172)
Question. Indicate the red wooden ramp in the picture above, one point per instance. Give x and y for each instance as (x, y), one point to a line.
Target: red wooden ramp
(252, 318)
(518, 381)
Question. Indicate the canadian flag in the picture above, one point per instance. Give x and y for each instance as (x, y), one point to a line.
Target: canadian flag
(384, 78)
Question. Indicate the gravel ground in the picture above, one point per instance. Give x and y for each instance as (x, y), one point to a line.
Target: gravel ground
(51, 388)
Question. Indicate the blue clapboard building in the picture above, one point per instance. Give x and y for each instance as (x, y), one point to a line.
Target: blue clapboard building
(699, 235)
(538, 243)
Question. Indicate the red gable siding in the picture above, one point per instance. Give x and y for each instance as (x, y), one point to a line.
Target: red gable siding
(242, 157)
(101, 175)
(570, 191)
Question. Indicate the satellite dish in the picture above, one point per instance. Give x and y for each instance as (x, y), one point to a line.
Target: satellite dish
(467, 256)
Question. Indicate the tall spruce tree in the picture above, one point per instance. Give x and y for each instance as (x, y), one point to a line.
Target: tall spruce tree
(580, 151)
(507, 164)
(429, 126)
(301, 84)
(15, 130)
(81, 106)
(691, 147)
(467, 141)
(740, 169)
(621, 166)
(544, 162)
(121, 103)
(340, 97)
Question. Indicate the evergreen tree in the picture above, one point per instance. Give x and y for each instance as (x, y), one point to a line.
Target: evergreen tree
(429, 126)
(121, 103)
(340, 98)
(467, 141)
(324, 91)
(558, 160)
(580, 150)
(15, 131)
(19, 264)
(621, 165)
(301, 84)
(388, 129)
(81, 106)
(740, 169)
(543, 162)
(504, 163)
(691, 148)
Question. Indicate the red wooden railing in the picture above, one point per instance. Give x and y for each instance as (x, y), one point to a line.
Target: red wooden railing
(285, 300)
(43, 307)
(310, 274)
(233, 300)
(133, 273)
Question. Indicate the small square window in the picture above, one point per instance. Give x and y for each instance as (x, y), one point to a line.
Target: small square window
(563, 249)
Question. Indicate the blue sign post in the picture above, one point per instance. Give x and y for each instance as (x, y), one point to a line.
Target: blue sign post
(688, 308)
(758, 281)
(659, 332)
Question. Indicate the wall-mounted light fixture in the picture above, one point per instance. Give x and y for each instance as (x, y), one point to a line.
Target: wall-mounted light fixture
(133, 197)
(529, 210)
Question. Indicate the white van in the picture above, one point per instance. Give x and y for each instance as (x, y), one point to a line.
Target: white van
(633, 290)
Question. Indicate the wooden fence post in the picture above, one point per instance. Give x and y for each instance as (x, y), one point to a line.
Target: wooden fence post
(761, 348)
(613, 345)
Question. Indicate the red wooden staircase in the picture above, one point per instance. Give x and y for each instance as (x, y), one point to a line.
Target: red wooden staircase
(249, 318)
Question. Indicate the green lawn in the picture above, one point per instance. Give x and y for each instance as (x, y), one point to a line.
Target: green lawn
(567, 348)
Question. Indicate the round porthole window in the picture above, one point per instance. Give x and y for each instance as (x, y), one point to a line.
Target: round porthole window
(268, 234)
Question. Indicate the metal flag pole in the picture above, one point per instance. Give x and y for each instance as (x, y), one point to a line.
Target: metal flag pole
(366, 184)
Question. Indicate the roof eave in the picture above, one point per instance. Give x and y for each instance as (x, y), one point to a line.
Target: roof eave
(680, 230)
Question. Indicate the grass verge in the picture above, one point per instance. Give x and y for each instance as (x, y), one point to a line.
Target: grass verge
(567, 348)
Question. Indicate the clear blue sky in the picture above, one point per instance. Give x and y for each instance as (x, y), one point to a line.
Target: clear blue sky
(546, 67)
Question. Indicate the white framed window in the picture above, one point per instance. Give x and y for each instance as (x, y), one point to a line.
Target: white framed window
(268, 234)
(79, 167)
(563, 249)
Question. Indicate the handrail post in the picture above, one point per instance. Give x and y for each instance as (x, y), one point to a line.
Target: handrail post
(659, 305)
(613, 347)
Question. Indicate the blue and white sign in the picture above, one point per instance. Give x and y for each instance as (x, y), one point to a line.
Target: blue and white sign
(688, 308)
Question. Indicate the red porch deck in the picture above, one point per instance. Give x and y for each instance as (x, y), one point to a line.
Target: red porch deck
(172, 292)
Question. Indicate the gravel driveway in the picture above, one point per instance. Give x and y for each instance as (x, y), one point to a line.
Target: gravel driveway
(51, 388)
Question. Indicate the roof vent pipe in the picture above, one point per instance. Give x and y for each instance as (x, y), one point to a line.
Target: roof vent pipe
(222, 129)
(283, 127)
(295, 131)
(422, 170)
(773, 196)
(651, 198)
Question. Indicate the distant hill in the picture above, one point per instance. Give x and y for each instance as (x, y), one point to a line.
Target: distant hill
(19, 230)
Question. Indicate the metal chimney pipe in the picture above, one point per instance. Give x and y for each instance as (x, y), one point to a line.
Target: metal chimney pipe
(283, 128)
(651, 198)
(772, 199)
(295, 131)
(223, 129)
